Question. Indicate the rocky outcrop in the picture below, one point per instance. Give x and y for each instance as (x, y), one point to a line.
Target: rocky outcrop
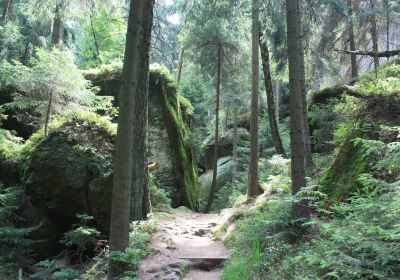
(68, 172)
(224, 175)
(225, 147)
(168, 133)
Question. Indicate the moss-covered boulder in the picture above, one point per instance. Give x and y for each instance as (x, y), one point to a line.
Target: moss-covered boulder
(168, 132)
(70, 172)
(371, 119)
(341, 178)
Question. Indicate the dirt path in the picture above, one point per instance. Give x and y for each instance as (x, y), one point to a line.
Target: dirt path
(185, 248)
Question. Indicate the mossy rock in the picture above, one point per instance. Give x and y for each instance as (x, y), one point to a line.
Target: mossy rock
(168, 132)
(341, 178)
(225, 146)
(224, 175)
(69, 172)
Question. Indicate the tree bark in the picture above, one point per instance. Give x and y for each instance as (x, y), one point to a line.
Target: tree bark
(298, 173)
(96, 44)
(140, 203)
(215, 158)
(253, 184)
(122, 179)
(6, 8)
(387, 7)
(277, 101)
(353, 57)
(270, 98)
(180, 65)
(372, 54)
(48, 114)
(57, 26)
(309, 164)
(374, 35)
(234, 150)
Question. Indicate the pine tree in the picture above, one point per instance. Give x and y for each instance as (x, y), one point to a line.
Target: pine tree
(296, 105)
(121, 195)
(253, 184)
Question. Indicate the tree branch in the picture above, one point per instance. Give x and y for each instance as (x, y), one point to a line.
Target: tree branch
(371, 53)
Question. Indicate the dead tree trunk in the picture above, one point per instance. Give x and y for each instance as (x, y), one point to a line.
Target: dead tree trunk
(270, 97)
(215, 158)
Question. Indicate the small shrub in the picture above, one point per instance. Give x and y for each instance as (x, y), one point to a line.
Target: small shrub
(49, 270)
(81, 237)
(12, 239)
(159, 198)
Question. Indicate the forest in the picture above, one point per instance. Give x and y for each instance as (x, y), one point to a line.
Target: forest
(199, 139)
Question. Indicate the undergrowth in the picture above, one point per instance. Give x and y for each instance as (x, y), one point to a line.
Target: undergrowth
(355, 239)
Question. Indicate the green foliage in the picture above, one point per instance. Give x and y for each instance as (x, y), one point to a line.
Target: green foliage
(49, 270)
(384, 82)
(139, 237)
(82, 237)
(159, 198)
(101, 38)
(11, 42)
(12, 239)
(166, 94)
(53, 85)
(9, 145)
(324, 119)
(355, 239)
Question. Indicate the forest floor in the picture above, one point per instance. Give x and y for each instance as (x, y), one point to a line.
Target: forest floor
(184, 247)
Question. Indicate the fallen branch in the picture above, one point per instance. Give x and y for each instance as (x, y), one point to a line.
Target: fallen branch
(371, 53)
(335, 92)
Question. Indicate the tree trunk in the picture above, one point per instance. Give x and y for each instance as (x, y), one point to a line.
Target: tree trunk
(307, 138)
(234, 150)
(180, 65)
(353, 57)
(215, 158)
(57, 26)
(122, 179)
(96, 44)
(298, 173)
(270, 97)
(253, 184)
(374, 35)
(277, 101)
(48, 114)
(4, 15)
(387, 7)
(140, 204)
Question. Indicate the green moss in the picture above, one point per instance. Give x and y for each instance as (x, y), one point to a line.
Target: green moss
(166, 110)
(341, 178)
(164, 86)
